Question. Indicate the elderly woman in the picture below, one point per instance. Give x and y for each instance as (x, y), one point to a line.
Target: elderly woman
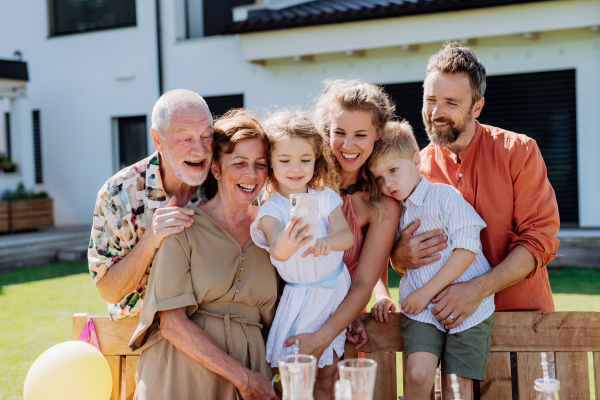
(212, 289)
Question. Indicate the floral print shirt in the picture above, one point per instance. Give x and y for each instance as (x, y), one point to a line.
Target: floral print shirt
(124, 209)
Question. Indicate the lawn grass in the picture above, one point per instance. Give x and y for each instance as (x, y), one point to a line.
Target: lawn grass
(37, 305)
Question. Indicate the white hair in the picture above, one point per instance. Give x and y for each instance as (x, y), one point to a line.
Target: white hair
(171, 101)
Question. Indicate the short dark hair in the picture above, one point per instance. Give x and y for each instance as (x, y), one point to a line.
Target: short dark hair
(454, 58)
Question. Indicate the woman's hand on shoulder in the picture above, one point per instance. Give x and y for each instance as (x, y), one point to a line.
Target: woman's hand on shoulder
(257, 386)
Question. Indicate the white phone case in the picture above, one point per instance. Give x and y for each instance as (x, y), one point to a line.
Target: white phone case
(305, 206)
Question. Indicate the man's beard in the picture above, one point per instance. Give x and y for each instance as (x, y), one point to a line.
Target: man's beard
(187, 177)
(455, 130)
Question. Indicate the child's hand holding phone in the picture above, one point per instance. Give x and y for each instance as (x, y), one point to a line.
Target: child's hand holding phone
(290, 240)
(321, 248)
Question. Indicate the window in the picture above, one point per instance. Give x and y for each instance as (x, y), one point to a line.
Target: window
(37, 147)
(517, 103)
(132, 142)
(219, 105)
(77, 16)
(209, 17)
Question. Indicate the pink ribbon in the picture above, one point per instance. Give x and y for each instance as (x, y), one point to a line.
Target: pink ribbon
(89, 330)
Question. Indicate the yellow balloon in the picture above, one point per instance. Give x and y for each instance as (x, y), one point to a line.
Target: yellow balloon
(69, 371)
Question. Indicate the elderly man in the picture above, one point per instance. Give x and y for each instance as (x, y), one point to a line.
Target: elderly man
(143, 203)
(502, 175)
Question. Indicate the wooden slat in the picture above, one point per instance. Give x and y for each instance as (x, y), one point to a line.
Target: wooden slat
(350, 351)
(4, 217)
(385, 387)
(529, 368)
(597, 373)
(513, 331)
(404, 358)
(114, 362)
(130, 368)
(498, 384)
(382, 336)
(30, 204)
(113, 336)
(573, 373)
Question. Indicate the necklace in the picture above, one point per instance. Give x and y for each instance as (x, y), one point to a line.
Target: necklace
(351, 189)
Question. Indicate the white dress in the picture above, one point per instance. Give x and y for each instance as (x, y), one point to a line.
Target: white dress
(322, 302)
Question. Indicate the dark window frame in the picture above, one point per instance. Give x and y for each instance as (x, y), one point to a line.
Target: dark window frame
(53, 31)
(121, 153)
(37, 147)
(219, 105)
(7, 135)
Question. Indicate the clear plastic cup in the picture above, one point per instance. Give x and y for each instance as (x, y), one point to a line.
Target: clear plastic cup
(297, 373)
(361, 373)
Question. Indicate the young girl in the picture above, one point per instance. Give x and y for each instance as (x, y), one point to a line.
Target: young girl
(317, 279)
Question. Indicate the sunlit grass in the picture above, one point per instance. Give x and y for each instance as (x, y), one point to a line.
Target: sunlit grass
(37, 305)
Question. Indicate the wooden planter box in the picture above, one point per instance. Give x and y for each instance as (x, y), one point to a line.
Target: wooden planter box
(4, 217)
(30, 214)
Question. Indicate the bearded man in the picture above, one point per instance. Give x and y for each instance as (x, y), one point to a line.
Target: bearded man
(143, 203)
(502, 175)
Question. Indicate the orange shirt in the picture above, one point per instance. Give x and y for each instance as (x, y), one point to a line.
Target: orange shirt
(503, 176)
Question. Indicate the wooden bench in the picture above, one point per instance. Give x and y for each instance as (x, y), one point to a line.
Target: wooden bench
(113, 338)
(570, 335)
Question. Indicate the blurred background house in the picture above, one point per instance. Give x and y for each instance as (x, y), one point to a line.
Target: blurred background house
(78, 78)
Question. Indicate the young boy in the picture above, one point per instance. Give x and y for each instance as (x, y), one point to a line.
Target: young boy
(464, 351)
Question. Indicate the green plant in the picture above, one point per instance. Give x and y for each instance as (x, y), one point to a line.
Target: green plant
(20, 193)
(8, 166)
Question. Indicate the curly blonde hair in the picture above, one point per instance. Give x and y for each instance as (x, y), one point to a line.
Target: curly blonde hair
(290, 124)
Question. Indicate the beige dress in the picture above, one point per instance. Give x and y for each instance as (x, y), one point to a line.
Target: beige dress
(205, 270)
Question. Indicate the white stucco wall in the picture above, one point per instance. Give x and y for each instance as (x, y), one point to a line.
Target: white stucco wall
(215, 66)
(73, 84)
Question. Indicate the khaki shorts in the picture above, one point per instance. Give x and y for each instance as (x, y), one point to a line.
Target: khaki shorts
(464, 353)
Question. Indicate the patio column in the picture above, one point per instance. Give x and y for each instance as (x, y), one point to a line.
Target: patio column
(22, 138)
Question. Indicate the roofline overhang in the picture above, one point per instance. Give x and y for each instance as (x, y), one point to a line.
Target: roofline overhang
(257, 47)
(242, 23)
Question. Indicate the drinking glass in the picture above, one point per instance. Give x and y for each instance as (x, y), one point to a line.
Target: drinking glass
(297, 373)
(361, 374)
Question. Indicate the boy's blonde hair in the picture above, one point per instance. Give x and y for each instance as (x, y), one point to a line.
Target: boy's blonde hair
(397, 141)
(288, 124)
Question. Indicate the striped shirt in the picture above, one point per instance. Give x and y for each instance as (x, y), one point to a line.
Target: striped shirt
(440, 206)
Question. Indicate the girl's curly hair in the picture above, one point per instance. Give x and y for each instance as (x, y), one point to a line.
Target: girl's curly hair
(289, 124)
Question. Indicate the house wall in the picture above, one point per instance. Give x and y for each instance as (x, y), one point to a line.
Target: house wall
(215, 66)
(73, 82)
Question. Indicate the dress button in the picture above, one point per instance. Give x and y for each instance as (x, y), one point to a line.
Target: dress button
(243, 258)
(239, 279)
(460, 175)
(237, 290)
(241, 269)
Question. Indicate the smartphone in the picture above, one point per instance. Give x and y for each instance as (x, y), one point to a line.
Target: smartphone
(305, 206)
